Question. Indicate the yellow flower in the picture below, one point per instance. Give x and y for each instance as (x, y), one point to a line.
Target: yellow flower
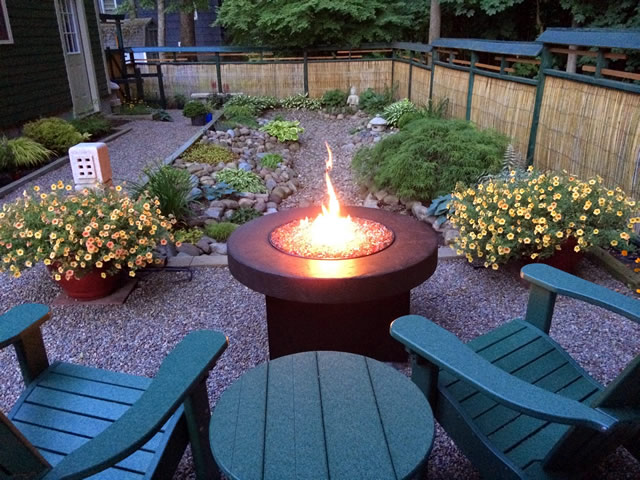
(103, 275)
(614, 243)
(36, 188)
(132, 273)
(576, 248)
(596, 231)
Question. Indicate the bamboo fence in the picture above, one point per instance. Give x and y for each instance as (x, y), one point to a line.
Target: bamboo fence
(401, 80)
(420, 85)
(279, 79)
(505, 106)
(451, 84)
(329, 75)
(590, 130)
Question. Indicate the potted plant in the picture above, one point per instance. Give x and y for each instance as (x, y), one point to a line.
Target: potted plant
(534, 216)
(196, 111)
(87, 239)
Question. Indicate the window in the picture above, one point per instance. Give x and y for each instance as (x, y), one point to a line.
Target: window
(5, 28)
(109, 6)
(69, 26)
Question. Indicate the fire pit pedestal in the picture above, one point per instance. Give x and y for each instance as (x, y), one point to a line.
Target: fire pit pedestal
(343, 305)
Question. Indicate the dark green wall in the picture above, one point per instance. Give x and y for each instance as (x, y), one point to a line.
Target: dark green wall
(33, 77)
(96, 47)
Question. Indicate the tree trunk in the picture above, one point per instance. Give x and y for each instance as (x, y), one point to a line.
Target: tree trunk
(187, 24)
(132, 9)
(434, 20)
(161, 24)
(572, 58)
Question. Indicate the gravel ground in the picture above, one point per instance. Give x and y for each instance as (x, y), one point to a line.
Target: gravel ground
(147, 142)
(136, 337)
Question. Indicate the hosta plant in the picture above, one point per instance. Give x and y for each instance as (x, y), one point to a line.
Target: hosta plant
(301, 101)
(395, 111)
(75, 232)
(534, 216)
(283, 130)
(241, 180)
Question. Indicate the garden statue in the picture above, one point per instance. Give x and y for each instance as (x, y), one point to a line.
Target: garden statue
(377, 124)
(353, 100)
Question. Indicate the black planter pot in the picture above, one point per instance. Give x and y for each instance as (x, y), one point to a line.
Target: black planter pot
(199, 121)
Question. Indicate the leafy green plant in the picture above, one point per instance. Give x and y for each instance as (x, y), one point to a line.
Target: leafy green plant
(334, 98)
(526, 70)
(232, 111)
(301, 101)
(431, 110)
(429, 157)
(271, 160)
(372, 102)
(179, 101)
(188, 235)
(171, 186)
(393, 112)
(244, 215)
(94, 125)
(208, 153)
(27, 153)
(283, 130)
(439, 208)
(194, 108)
(513, 165)
(135, 108)
(54, 133)
(241, 180)
(161, 115)
(220, 232)
(259, 103)
(217, 191)
(6, 154)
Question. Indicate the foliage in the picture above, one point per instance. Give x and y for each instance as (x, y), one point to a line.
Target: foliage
(179, 101)
(372, 102)
(194, 108)
(302, 23)
(75, 232)
(334, 98)
(533, 217)
(241, 180)
(188, 235)
(161, 115)
(54, 133)
(217, 191)
(94, 125)
(241, 114)
(393, 112)
(429, 156)
(440, 208)
(301, 101)
(6, 154)
(208, 153)
(431, 110)
(271, 160)
(244, 215)
(135, 108)
(260, 103)
(526, 70)
(220, 232)
(513, 164)
(171, 186)
(283, 130)
(27, 153)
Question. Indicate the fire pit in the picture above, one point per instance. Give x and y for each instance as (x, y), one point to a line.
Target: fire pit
(333, 281)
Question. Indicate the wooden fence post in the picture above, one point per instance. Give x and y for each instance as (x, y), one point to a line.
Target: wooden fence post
(219, 72)
(306, 73)
(410, 74)
(544, 64)
(163, 98)
(393, 67)
(434, 59)
(472, 66)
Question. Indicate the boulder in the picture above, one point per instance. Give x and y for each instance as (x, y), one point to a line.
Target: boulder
(229, 203)
(204, 246)
(246, 202)
(450, 236)
(219, 248)
(271, 184)
(390, 200)
(189, 249)
(380, 194)
(260, 206)
(370, 201)
(419, 211)
(214, 213)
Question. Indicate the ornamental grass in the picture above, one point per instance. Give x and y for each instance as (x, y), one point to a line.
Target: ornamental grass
(75, 232)
(533, 215)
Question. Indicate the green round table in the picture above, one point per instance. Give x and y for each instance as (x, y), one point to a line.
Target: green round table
(322, 415)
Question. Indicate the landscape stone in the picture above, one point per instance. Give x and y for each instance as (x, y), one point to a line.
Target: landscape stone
(450, 236)
(229, 203)
(188, 249)
(204, 246)
(214, 212)
(294, 147)
(216, 204)
(231, 133)
(219, 248)
(274, 198)
(391, 200)
(419, 211)
(370, 201)
(260, 206)
(244, 166)
(380, 194)
(246, 202)
(271, 184)
(271, 210)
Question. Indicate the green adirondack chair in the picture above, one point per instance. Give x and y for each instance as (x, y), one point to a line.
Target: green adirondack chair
(74, 421)
(514, 401)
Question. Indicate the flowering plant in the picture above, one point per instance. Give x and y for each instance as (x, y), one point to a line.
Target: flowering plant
(75, 232)
(535, 214)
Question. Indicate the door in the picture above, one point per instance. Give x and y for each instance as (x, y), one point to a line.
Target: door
(77, 53)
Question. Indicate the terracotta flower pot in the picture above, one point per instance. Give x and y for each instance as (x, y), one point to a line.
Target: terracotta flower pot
(566, 260)
(90, 286)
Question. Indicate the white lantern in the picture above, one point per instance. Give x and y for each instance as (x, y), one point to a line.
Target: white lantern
(91, 165)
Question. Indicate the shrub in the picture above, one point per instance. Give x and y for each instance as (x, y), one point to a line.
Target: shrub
(187, 235)
(54, 133)
(27, 153)
(93, 125)
(258, 103)
(208, 153)
(429, 157)
(271, 160)
(431, 110)
(220, 232)
(241, 115)
(301, 101)
(283, 130)
(171, 186)
(6, 154)
(241, 180)
(244, 215)
(194, 108)
(334, 98)
(536, 215)
(372, 102)
(393, 112)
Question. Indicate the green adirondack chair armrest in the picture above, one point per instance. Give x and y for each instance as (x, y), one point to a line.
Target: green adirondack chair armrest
(445, 350)
(19, 319)
(182, 371)
(559, 282)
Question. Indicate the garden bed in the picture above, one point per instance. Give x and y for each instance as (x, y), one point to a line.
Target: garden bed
(625, 268)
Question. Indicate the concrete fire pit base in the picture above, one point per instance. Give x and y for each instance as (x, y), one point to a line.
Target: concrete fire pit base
(342, 305)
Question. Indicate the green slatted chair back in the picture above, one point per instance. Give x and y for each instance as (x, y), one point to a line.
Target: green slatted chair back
(18, 458)
(581, 446)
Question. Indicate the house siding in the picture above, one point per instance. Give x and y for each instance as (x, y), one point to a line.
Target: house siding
(33, 76)
(96, 47)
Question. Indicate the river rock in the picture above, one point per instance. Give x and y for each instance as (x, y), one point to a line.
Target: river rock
(271, 184)
(189, 249)
(214, 212)
(230, 203)
(246, 202)
(260, 206)
(419, 211)
(219, 248)
(450, 235)
(204, 246)
(370, 201)
(391, 200)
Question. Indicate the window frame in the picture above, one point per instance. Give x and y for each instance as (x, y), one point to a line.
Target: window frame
(5, 17)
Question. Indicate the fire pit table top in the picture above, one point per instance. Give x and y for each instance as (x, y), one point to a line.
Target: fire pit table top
(405, 264)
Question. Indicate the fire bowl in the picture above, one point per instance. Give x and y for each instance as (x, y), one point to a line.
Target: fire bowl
(338, 304)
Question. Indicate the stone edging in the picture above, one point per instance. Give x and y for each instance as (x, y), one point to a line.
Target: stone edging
(52, 166)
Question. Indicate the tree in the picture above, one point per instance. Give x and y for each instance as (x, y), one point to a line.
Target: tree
(303, 23)
(435, 20)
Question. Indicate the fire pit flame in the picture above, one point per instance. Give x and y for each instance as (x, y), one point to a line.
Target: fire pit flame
(330, 235)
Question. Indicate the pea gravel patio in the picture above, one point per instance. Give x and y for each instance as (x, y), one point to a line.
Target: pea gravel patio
(136, 336)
